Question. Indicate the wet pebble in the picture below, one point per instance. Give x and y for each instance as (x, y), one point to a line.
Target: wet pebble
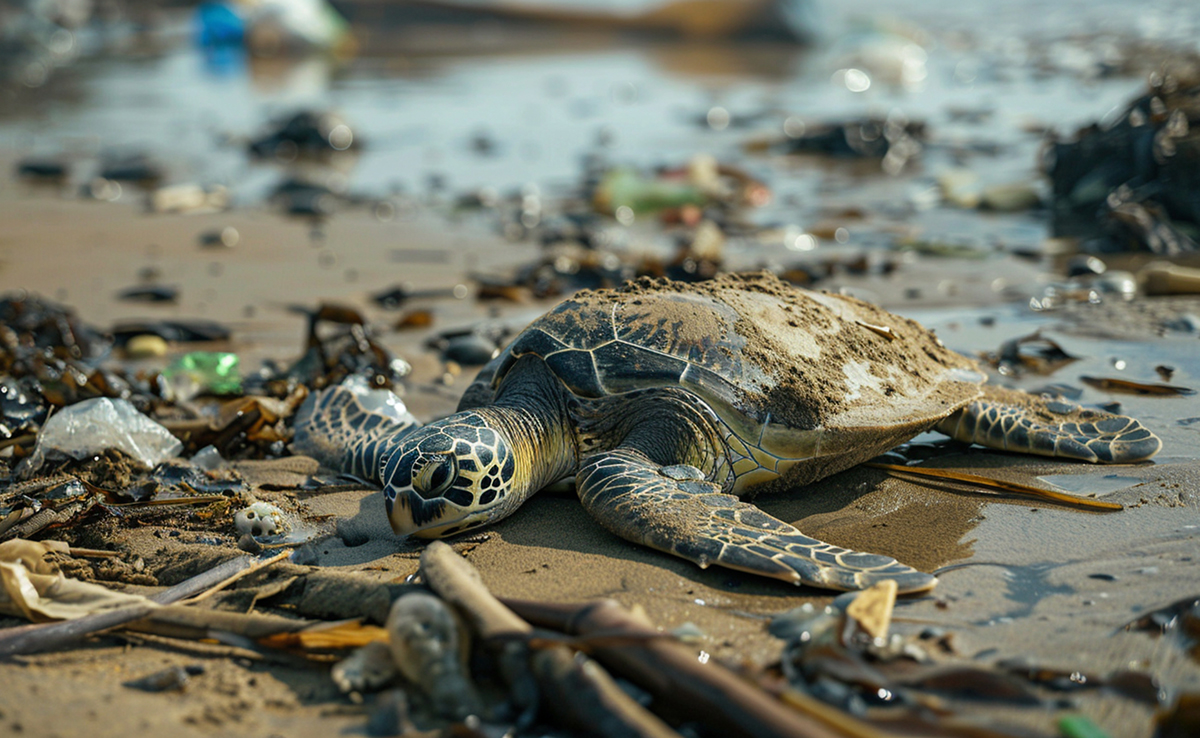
(1122, 284)
(1186, 323)
(249, 544)
(1082, 265)
(469, 350)
(168, 680)
(42, 169)
(150, 293)
(366, 670)
(227, 237)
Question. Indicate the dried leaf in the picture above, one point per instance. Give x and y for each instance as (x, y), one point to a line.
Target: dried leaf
(1001, 485)
(327, 636)
(1109, 384)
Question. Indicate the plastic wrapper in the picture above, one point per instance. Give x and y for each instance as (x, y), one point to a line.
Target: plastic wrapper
(89, 427)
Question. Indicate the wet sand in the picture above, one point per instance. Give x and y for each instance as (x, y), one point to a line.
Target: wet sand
(1028, 589)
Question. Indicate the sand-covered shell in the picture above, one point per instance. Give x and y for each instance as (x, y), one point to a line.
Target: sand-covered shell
(793, 373)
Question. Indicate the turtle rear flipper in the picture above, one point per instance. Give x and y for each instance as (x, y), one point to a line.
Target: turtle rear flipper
(1009, 420)
(673, 509)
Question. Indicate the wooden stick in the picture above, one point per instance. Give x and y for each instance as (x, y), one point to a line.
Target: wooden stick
(457, 582)
(576, 688)
(258, 564)
(182, 621)
(581, 694)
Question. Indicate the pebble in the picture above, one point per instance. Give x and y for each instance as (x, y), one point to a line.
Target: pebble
(146, 346)
(469, 350)
(1009, 198)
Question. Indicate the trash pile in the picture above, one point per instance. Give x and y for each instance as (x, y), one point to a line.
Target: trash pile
(92, 434)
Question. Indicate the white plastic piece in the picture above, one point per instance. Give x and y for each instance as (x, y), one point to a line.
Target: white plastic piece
(89, 427)
(208, 458)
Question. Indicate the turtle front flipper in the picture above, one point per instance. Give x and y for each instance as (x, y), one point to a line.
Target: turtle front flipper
(1010, 420)
(335, 428)
(674, 509)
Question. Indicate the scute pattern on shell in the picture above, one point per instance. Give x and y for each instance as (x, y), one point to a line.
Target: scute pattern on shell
(766, 350)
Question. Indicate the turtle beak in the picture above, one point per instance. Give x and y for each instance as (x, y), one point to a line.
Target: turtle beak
(411, 515)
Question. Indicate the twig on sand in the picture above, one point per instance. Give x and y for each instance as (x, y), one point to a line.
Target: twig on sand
(258, 564)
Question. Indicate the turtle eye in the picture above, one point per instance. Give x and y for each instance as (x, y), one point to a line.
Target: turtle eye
(436, 476)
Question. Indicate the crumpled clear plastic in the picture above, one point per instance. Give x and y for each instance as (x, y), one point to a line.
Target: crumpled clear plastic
(89, 427)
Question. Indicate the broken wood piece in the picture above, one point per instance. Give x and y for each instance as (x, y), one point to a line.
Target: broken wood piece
(575, 687)
(1165, 278)
(872, 608)
(182, 621)
(582, 695)
(1111, 384)
(457, 582)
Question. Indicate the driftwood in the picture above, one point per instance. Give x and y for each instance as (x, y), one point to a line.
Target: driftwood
(673, 674)
(575, 689)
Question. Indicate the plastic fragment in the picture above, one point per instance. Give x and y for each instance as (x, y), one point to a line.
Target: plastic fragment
(208, 458)
(1078, 726)
(215, 372)
(872, 608)
(89, 427)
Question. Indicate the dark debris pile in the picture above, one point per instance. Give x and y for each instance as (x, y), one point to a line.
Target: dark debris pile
(51, 360)
(1133, 184)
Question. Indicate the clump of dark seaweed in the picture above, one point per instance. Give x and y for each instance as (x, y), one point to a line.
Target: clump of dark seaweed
(1132, 184)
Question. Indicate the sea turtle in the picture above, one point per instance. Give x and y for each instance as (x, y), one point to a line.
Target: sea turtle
(672, 403)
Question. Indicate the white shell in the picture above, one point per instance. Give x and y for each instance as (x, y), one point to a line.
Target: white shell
(262, 520)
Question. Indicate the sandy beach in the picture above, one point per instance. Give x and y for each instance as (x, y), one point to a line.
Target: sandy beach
(1024, 585)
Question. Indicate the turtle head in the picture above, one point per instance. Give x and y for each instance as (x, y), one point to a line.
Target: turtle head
(449, 476)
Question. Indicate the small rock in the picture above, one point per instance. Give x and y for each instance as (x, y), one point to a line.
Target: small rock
(248, 544)
(1009, 198)
(1082, 265)
(168, 680)
(1186, 323)
(146, 346)
(469, 350)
